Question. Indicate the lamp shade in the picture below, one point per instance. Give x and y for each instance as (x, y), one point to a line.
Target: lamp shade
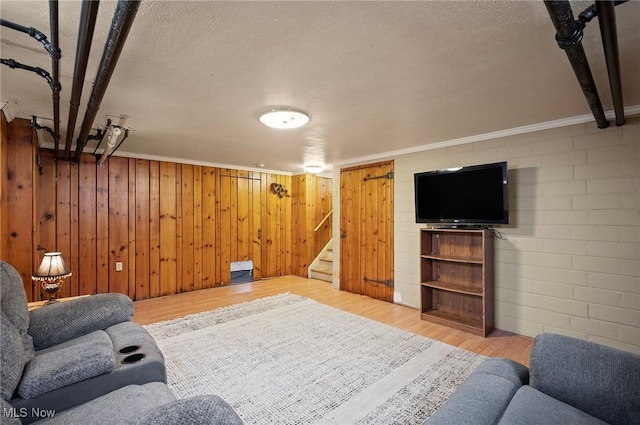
(52, 268)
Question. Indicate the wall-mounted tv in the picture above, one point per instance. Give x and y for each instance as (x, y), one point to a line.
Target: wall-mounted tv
(472, 195)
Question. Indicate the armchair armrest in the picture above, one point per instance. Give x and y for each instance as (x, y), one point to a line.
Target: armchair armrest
(484, 396)
(599, 380)
(198, 410)
(61, 322)
(57, 369)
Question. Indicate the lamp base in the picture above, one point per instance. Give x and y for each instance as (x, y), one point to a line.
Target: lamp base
(51, 289)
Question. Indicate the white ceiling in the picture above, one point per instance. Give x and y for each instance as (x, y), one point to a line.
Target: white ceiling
(374, 76)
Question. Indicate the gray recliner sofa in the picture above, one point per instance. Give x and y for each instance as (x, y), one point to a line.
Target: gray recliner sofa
(569, 382)
(83, 361)
(65, 354)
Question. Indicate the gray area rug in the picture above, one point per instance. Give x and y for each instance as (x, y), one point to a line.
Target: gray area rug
(287, 359)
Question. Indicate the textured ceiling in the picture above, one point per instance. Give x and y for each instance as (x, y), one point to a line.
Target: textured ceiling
(374, 76)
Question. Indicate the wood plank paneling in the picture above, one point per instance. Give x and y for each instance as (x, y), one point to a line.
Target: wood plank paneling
(168, 229)
(131, 270)
(268, 222)
(197, 228)
(227, 227)
(118, 224)
(87, 228)
(243, 217)
(178, 286)
(142, 229)
(46, 211)
(233, 222)
(102, 228)
(284, 219)
(310, 203)
(63, 218)
(187, 226)
(138, 212)
(269, 239)
(349, 230)
(154, 229)
(19, 198)
(323, 204)
(4, 224)
(210, 248)
(366, 249)
(255, 192)
(73, 259)
(36, 288)
(368, 226)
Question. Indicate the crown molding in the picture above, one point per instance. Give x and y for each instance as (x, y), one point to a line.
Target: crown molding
(581, 119)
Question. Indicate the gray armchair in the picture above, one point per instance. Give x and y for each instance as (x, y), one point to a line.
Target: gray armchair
(66, 354)
(569, 381)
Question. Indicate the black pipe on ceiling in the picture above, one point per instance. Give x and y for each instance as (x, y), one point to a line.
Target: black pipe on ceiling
(121, 24)
(607, 21)
(55, 71)
(88, 17)
(33, 32)
(569, 37)
(41, 72)
(54, 51)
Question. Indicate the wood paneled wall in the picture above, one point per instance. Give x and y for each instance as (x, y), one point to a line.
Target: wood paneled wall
(312, 200)
(4, 129)
(19, 231)
(174, 227)
(322, 206)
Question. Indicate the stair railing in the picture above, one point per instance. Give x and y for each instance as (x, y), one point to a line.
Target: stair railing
(326, 217)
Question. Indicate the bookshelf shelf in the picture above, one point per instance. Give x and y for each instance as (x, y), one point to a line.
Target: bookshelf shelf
(456, 269)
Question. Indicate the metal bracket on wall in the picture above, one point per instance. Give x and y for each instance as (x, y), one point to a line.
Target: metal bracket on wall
(99, 136)
(388, 282)
(389, 176)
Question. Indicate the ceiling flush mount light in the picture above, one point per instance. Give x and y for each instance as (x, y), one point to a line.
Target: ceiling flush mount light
(284, 119)
(313, 169)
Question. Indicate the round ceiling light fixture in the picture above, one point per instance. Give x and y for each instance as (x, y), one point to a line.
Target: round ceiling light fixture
(284, 118)
(313, 169)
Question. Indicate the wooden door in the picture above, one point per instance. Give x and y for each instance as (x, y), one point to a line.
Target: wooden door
(240, 220)
(366, 230)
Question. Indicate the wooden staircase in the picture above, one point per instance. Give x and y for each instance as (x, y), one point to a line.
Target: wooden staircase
(322, 266)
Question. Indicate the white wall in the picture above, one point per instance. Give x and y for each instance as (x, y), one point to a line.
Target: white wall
(570, 258)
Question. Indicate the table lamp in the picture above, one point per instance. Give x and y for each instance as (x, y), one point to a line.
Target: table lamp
(50, 274)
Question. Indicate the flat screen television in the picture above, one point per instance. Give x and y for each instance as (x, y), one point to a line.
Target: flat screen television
(474, 195)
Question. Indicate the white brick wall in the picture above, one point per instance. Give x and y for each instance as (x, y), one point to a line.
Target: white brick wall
(570, 258)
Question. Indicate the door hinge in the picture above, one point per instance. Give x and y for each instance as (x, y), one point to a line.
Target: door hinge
(389, 176)
(387, 282)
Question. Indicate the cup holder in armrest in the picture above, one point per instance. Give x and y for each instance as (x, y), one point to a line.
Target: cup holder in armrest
(129, 349)
(134, 358)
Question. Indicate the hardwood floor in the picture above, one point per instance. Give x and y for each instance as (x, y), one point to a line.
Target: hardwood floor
(499, 343)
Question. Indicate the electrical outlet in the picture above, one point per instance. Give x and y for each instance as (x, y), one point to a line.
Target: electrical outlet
(119, 266)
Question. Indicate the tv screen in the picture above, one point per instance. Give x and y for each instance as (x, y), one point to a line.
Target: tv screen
(473, 195)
